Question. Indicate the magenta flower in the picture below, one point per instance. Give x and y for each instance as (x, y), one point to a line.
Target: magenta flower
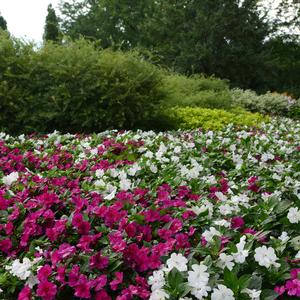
(98, 261)
(118, 280)
(82, 287)
(237, 222)
(25, 293)
(293, 287)
(46, 290)
(102, 295)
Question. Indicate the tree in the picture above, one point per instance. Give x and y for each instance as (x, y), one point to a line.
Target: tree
(52, 31)
(3, 24)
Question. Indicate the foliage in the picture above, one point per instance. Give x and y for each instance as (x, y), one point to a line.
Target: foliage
(3, 24)
(201, 91)
(52, 30)
(211, 119)
(269, 103)
(75, 87)
(231, 39)
(141, 215)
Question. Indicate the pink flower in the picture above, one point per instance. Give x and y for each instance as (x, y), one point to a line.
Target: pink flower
(237, 222)
(99, 283)
(293, 287)
(46, 290)
(98, 261)
(102, 295)
(25, 293)
(44, 272)
(6, 245)
(61, 272)
(82, 287)
(280, 290)
(294, 273)
(74, 276)
(119, 279)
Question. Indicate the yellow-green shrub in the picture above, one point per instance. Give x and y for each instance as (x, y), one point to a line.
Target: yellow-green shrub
(211, 119)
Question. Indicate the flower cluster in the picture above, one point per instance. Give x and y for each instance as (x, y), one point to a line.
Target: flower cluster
(140, 215)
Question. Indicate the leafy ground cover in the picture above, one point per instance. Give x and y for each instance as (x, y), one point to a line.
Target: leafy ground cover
(139, 215)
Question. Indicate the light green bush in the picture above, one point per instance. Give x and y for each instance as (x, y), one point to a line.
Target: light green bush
(269, 103)
(198, 91)
(211, 119)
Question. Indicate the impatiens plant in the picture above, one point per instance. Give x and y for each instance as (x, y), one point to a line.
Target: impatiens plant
(140, 215)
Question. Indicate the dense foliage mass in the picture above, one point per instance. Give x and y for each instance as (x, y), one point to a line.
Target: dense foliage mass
(74, 88)
(139, 215)
(247, 42)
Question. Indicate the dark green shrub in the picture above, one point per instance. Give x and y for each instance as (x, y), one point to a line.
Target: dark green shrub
(75, 87)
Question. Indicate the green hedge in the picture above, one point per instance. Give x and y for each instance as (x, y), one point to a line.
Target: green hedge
(211, 119)
(75, 87)
(198, 91)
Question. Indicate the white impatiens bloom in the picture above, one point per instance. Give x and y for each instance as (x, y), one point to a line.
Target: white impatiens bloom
(125, 184)
(209, 234)
(253, 294)
(20, 269)
(198, 277)
(11, 178)
(298, 255)
(198, 281)
(223, 223)
(225, 261)
(222, 293)
(241, 254)
(284, 237)
(158, 295)
(294, 215)
(266, 257)
(133, 169)
(157, 280)
(177, 261)
(202, 292)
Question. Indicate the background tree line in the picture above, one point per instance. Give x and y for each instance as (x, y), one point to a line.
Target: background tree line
(231, 39)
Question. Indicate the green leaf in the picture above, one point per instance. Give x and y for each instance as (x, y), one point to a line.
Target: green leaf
(268, 295)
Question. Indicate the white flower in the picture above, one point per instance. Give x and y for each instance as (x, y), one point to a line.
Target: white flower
(298, 255)
(99, 173)
(125, 184)
(11, 178)
(284, 237)
(1, 291)
(198, 278)
(221, 196)
(177, 261)
(153, 168)
(201, 292)
(222, 293)
(133, 170)
(253, 294)
(226, 209)
(223, 223)
(20, 270)
(294, 215)
(158, 295)
(226, 261)
(157, 280)
(32, 281)
(241, 254)
(209, 234)
(266, 257)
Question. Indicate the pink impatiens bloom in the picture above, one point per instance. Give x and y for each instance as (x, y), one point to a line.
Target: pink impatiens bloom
(118, 280)
(98, 261)
(25, 293)
(237, 222)
(46, 290)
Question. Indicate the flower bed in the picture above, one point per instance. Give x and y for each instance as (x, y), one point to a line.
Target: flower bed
(139, 215)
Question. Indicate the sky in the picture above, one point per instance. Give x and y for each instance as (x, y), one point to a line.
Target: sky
(26, 18)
